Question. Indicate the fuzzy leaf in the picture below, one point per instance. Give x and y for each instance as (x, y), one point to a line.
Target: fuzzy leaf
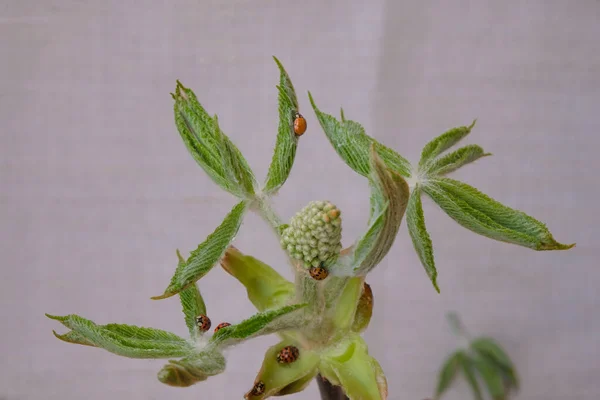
(488, 348)
(285, 147)
(281, 379)
(485, 216)
(191, 370)
(415, 221)
(467, 367)
(260, 324)
(351, 366)
(210, 147)
(453, 161)
(266, 288)
(193, 305)
(389, 198)
(124, 340)
(208, 253)
(442, 143)
(448, 373)
(353, 145)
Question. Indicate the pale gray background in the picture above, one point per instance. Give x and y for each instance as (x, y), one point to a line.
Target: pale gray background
(97, 189)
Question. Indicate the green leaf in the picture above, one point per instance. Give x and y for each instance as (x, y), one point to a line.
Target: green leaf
(467, 367)
(210, 147)
(442, 143)
(124, 340)
(491, 376)
(350, 365)
(263, 323)
(281, 379)
(490, 349)
(285, 147)
(485, 216)
(453, 161)
(191, 370)
(389, 198)
(266, 288)
(448, 373)
(208, 253)
(419, 235)
(353, 145)
(364, 310)
(193, 305)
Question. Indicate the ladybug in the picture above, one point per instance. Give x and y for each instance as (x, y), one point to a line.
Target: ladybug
(258, 389)
(222, 325)
(203, 323)
(299, 124)
(288, 355)
(318, 273)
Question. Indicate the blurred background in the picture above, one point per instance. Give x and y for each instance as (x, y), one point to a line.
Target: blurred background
(97, 190)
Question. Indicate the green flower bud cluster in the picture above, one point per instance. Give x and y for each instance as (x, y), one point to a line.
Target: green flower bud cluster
(314, 234)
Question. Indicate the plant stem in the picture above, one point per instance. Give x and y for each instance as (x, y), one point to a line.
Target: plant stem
(329, 391)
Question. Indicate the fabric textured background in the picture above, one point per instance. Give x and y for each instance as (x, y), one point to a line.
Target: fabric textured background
(97, 190)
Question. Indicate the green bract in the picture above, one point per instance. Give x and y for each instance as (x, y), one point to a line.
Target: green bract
(323, 310)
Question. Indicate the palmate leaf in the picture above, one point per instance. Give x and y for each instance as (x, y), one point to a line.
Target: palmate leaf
(458, 158)
(415, 221)
(210, 147)
(468, 370)
(442, 143)
(353, 145)
(124, 340)
(485, 216)
(192, 305)
(285, 147)
(489, 349)
(389, 198)
(193, 369)
(208, 253)
(491, 377)
(263, 323)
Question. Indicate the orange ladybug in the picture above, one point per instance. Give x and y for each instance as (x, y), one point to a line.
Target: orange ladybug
(203, 323)
(222, 325)
(318, 273)
(299, 124)
(288, 355)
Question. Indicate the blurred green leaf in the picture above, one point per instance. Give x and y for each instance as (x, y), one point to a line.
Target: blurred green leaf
(491, 376)
(281, 379)
(389, 198)
(124, 340)
(285, 147)
(456, 159)
(266, 288)
(191, 370)
(448, 373)
(468, 370)
(353, 145)
(415, 221)
(263, 323)
(485, 216)
(208, 253)
(490, 349)
(442, 143)
(210, 147)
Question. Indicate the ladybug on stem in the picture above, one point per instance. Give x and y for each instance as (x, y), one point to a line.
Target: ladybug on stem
(288, 355)
(318, 273)
(203, 323)
(258, 389)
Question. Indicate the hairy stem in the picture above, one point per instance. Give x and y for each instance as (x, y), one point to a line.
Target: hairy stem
(264, 208)
(329, 391)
